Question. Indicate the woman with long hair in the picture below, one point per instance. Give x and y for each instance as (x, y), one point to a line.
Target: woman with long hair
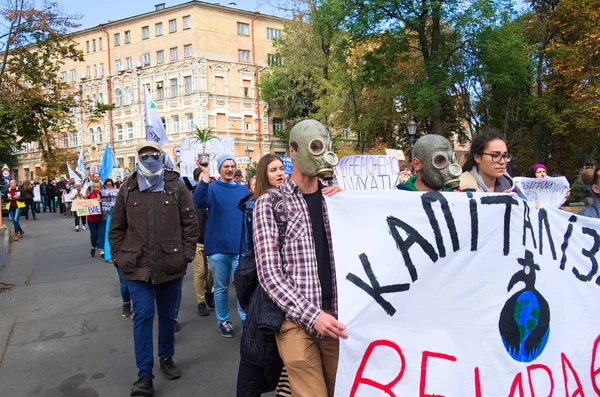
(27, 190)
(15, 204)
(485, 167)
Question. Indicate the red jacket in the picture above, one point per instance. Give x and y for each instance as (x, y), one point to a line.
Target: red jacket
(94, 218)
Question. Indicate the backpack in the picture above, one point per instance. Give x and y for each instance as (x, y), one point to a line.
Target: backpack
(245, 277)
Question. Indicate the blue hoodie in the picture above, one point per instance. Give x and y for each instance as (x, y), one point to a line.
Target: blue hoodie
(224, 227)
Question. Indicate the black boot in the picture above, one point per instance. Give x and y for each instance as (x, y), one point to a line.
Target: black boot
(203, 310)
(168, 367)
(143, 387)
(209, 298)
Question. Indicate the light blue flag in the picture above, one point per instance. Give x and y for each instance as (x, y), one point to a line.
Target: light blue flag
(107, 164)
(80, 164)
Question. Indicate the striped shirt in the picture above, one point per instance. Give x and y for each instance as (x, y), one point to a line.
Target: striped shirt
(290, 275)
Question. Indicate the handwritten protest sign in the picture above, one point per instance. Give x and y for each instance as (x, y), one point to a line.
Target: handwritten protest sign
(287, 164)
(191, 147)
(87, 207)
(551, 192)
(368, 172)
(109, 196)
(465, 295)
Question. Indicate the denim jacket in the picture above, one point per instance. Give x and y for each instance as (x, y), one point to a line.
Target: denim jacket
(592, 211)
(246, 205)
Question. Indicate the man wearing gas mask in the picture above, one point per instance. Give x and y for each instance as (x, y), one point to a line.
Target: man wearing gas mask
(435, 165)
(153, 234)
(297, 270)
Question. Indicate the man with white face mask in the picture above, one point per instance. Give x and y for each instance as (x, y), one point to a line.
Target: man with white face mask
(153, 234)
(298, 273)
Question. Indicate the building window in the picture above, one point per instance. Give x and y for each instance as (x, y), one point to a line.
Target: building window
(273, 33)
(189, 121)
(100, 43)
(158, 29)
(120, 162)
(273, 60)
(160, 56)
(75, 139)
(95, 71)
(94, 45)
(87, 47)
(88, 72)
(127, 96)
(173, 26)
(174, 54)
(188, 84)
(187, 22)
(145, 32)
(66, 141)
(93, 100)
(100, 98)
(243, 56)
(73, 76)
(277, 124)
(174, 88)
(345, 133)
(99, 131)
(92, 137)
(118, 65)
(127, 36)
(175, 124)
(187, 51)
(131, 161)
(219, 85)
(247, 123)
(243, 29)
(63, 77)
(246, 88)
(119, 129)
(160, 90)
(164, 123)
(128, 64)
(101, 70)
(129, 130)
(117, 39)
(146, 59)
(118, 97)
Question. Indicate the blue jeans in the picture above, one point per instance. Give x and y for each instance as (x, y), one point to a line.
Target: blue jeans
(44, 202)
(97, 237)
(178, 303)
(15, 214)
(223, 266)
(125, 296)
(142, 298)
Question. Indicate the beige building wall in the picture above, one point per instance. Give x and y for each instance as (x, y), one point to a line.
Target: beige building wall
(208, 78)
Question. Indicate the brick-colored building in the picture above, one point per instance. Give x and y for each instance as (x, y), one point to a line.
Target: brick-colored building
(201, 63)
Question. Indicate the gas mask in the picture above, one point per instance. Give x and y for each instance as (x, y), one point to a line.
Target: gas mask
(312, 144)
(440, 165)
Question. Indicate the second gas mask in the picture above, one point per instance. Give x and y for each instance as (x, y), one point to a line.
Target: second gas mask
(312, 143)
(440, 165)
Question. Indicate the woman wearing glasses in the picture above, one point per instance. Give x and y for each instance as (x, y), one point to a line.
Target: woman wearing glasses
(485, 167)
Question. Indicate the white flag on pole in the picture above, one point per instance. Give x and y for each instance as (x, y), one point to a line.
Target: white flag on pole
(80, 164)
(72, 174)
(155, 130)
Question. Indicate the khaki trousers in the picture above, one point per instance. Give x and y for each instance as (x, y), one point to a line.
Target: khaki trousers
(199, 276)
(311, 362)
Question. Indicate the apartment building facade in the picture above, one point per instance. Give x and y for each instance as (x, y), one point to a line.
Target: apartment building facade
(201, 63)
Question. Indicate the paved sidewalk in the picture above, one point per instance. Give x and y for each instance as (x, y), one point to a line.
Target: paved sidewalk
(62, 334)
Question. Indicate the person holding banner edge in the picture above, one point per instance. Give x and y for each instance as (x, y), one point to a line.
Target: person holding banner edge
(299, 276)
(591, 177)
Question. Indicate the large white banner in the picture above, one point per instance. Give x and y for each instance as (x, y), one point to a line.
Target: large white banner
(368, 172)
(460, 295)
(191, 147)
(551, 192)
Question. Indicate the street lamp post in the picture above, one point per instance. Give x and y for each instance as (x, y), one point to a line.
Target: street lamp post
(412, 130)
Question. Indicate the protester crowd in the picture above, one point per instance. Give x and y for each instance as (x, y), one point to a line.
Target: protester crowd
(270, 235)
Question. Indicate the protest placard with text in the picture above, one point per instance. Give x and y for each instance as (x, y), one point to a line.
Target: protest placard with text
(87, 207)
(465, 295)
(548, 191)
(191, 148)
(368, 172)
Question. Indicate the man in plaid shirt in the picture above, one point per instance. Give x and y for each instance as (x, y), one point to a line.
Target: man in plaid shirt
(298, 274)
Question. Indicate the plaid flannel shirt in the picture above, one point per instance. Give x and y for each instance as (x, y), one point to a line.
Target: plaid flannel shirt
(290, 276)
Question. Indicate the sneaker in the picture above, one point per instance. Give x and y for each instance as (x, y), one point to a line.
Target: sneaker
(203, 310)
(168, 367)
(209, 298)
(126, 309)
(93, 252)
(226, 329)
(102, 255)
(83, 227)
(177, 326)
(76, 228)
(143, 387)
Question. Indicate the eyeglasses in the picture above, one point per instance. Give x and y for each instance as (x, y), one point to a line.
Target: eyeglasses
(497, 156)
(146, 156)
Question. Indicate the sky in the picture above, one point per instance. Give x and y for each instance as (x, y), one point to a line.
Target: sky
(97, 12)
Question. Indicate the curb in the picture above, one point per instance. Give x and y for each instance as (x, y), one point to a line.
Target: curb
(5, 247)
